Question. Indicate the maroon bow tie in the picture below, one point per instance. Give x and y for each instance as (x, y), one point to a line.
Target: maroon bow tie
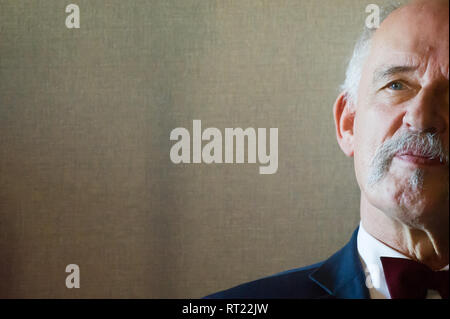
(408, 279)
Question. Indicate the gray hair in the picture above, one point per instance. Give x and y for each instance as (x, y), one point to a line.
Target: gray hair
(424, 144)
(360, 54)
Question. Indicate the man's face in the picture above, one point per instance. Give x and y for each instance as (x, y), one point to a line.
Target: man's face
(404, 92)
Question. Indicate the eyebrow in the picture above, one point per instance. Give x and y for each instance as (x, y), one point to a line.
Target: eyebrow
(386, 72)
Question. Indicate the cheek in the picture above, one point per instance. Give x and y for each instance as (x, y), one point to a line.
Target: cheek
(364, 148)
(366, 137)
(373, 125)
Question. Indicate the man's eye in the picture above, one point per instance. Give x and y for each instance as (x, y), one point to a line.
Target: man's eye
(396, 86)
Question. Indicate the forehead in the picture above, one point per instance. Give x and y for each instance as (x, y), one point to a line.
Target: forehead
(413, 36)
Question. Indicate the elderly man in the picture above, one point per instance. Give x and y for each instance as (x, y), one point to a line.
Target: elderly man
(392, 118)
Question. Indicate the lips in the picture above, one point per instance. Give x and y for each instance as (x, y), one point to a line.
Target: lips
(417, 159)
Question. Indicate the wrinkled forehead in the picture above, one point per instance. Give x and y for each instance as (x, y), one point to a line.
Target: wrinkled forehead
(436, 66)
(414, 35)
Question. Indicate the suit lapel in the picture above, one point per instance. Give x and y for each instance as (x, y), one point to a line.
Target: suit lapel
(342, 275)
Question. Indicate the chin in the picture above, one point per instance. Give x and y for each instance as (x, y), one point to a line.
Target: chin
(420, 206)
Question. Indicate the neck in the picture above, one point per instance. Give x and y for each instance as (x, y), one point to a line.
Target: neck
(428, 245)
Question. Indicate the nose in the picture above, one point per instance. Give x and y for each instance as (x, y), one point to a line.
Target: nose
(428, 112)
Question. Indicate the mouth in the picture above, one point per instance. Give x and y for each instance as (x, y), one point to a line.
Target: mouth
(418, 159)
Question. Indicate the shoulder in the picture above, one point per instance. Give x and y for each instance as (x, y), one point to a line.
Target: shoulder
(340, 276)
(294, 283)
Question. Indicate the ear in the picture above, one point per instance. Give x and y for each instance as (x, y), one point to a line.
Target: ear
(344, 116)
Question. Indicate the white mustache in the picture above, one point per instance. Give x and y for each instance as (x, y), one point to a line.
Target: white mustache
(416, 143)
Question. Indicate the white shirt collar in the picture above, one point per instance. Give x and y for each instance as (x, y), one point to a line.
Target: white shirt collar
(370, 250)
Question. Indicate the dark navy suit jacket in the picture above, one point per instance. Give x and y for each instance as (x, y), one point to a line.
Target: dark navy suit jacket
(340, 276)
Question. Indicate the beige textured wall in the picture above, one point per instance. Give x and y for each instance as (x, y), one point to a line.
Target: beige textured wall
(85, 118)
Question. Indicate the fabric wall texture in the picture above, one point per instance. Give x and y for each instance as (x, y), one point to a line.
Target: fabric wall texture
(85, 119)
